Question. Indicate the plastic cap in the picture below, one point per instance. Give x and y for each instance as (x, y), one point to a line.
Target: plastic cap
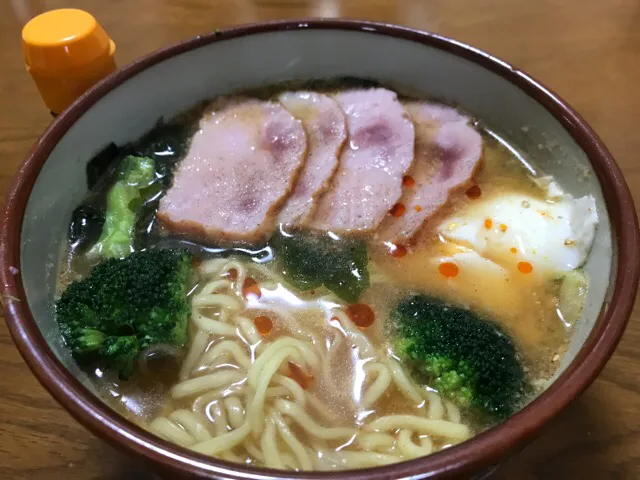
(66, 51)
(61, 40)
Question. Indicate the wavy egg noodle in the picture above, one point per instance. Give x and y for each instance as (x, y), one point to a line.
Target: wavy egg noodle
(237, 397)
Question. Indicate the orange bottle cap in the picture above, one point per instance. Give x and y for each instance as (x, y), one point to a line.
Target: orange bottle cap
(66, 51)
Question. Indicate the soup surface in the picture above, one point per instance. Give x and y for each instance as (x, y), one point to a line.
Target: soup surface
(356, 278)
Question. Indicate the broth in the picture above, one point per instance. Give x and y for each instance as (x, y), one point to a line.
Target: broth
(338, 392)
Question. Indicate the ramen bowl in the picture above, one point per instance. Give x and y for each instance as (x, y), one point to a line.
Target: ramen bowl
(549, 134)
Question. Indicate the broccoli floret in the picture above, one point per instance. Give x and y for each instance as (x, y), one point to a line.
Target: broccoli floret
(311, 260)
(468, 359)
(125, 306)
(134, 179)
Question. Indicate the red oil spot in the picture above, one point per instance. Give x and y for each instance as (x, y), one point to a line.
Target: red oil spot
(361, 315)
(300, 375)
(513, 250)
(488, 223)
(398, 210)
(448, 269)
(263, 324)
(232, 274)
(417, 208)
(474, 192)
(408, 181)
(251, 288)
(397, 251)
(525, 267)
(503, 227)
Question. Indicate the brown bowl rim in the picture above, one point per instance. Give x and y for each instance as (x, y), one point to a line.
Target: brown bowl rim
(483, 450)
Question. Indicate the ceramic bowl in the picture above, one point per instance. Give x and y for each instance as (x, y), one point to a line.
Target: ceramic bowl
(546, 131)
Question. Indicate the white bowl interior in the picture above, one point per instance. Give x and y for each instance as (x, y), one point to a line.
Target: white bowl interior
(180, 82)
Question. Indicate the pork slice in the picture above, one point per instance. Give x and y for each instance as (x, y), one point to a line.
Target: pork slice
(369, 178)
(448, 152)
(326, 130)
(240, 167)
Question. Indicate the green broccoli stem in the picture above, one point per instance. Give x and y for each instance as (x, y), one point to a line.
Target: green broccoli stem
(90, 340)
(123, 202)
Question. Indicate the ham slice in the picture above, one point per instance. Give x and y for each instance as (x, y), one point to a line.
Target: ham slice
(326, 131)
(448, 152)
(369, 178)
(240, 167)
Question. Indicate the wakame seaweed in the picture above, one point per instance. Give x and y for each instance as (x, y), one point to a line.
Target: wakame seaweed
(165, 144)
(85, 227)
(99, 164)
(311, 260)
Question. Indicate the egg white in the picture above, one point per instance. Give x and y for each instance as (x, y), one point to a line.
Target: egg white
(553, 236)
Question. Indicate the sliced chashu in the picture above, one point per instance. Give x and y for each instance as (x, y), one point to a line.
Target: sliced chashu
(448, 152)
(326, 130)
(240, 167)
(368, 181)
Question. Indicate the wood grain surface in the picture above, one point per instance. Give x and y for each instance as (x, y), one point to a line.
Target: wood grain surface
(588, 51)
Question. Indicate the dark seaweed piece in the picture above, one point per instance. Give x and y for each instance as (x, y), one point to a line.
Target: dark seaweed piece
(100, 164)
(85, 227)
(166, 144)
(309, 261)
(342, 83)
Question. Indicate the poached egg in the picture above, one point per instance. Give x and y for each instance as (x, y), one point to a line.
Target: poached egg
(527, 234)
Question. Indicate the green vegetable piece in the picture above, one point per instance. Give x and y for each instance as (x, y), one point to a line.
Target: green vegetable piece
(127, 305)
(133, 185)
(91, 339)
(309, 261)
(468, 359)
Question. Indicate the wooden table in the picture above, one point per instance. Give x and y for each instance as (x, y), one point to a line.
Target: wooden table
(586, 50)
